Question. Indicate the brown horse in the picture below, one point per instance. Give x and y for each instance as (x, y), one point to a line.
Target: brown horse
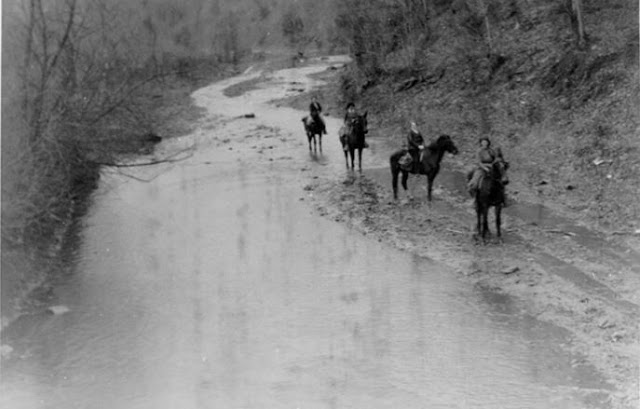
(490, 192)
(313, 128)
(354, 140)
(429, 163)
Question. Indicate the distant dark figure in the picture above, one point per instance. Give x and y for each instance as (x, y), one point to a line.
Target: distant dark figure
(315, 110)
(428, 163)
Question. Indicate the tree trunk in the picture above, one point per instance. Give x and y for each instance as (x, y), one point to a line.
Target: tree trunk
(576, 6)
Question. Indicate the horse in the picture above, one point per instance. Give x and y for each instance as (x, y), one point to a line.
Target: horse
(313, 128)
(428, 164)
(355, 140)
(490, 192)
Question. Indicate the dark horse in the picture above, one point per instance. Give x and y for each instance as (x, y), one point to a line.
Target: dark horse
(313, 128)
(429, 163)
(355, 140)
(490, 192)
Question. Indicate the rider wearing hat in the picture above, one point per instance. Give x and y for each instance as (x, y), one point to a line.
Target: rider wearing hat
(486, 156)
(349, 117)
(315, 110)
(415, 143)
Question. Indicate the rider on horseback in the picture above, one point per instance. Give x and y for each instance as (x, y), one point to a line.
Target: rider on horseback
(486, 157)
(415, 143)
(315, 110)
(345, 130)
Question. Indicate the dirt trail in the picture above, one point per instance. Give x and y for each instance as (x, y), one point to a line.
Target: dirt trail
(552, 267)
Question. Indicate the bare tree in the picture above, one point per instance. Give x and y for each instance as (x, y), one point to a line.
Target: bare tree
(578, 22)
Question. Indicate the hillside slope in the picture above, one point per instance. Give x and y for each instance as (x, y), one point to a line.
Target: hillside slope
(567, 116)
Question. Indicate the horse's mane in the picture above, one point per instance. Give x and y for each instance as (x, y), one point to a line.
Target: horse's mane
(434, 145)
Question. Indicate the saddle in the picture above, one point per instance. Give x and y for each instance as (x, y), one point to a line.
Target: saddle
(406, 162)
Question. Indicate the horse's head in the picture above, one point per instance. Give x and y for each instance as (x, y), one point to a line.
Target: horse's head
(360, 125)
(499, 170)
(445, 143)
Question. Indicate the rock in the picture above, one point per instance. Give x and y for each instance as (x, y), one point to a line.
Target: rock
(511, 270)
(58, 309)
(600, 161)
(153, 138)
(250, 115)
(617, 336)
(606, 324)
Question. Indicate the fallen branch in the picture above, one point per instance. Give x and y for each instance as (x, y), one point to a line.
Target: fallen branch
(626, 233)
(455, 231)
(119, 172)
(566, 233)
(169, 159)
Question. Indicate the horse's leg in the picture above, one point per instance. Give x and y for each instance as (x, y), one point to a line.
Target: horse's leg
(478, 219)
(360, 159)
(394, 179)
(430, 179)
(352, 155)
(499, 222)
(309, 136)
(485, 223)
(405, 176)
(320, 141)
(346, 158)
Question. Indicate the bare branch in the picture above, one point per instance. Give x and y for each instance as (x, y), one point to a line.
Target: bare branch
(168, 159)
(115, 105)
(65, 37)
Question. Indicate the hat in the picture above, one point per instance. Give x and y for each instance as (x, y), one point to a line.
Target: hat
(414, 127)
(351, 104)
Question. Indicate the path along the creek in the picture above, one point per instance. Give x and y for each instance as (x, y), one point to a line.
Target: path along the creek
(211, 283)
